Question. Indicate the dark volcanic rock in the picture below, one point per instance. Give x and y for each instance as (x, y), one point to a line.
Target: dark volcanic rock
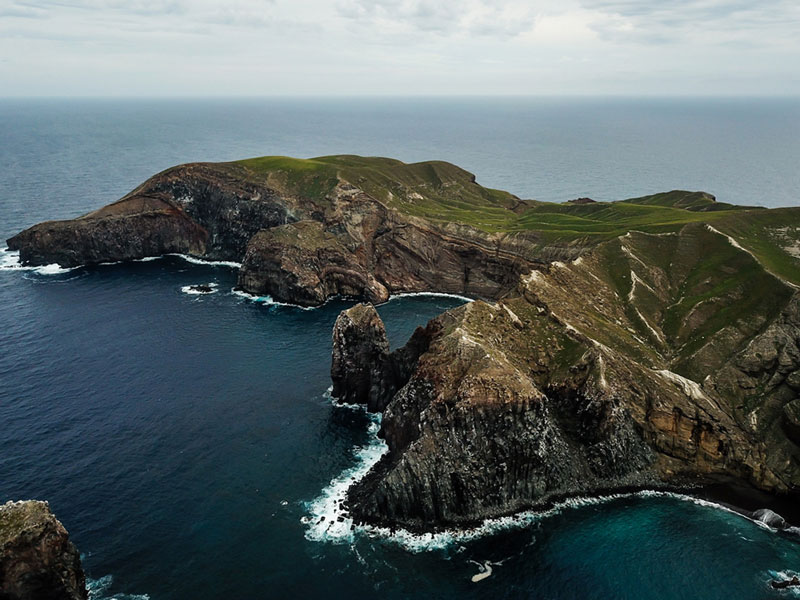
(360, 367)
(300, 249)
(129, 229)
(573, 387)
(37, 560)
(301, 263)
(769, 517)
(471, 436)
(785, 583)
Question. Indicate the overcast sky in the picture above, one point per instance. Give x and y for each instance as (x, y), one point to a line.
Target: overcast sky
(399, 47)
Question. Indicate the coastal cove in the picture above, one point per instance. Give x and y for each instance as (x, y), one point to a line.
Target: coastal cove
(165, 414)
(204, 470)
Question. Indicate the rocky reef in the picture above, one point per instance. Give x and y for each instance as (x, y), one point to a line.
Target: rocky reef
(649, 342)
(37, 559)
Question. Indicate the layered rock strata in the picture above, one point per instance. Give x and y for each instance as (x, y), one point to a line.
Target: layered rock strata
(608, 373)
(294, 246)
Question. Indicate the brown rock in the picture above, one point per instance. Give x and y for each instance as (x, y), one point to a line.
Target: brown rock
(37, 560)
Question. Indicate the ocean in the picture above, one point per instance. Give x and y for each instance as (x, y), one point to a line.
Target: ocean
(188, 442)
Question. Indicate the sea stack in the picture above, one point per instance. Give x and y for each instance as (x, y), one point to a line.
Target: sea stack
(37, 559)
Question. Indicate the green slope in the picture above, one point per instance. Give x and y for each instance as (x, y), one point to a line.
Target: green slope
(444, 193)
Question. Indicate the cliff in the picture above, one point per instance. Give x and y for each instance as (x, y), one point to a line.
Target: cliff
(304, 230)
(37, 559)
(653, 361)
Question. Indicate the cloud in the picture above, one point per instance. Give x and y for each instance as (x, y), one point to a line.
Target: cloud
(713, 21)
(501, 18)
(207, 47)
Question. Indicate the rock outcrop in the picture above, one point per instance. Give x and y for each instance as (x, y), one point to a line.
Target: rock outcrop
(37, 559)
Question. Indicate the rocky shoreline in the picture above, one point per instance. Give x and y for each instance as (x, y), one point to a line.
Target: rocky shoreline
(662, 353)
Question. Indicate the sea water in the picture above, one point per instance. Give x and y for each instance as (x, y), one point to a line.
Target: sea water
(188, 441)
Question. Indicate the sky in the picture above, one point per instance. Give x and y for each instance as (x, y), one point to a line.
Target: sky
(399, 47)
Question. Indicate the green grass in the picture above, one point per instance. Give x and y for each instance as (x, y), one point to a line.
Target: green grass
(693, 201)
(444, 193)
(297, 176)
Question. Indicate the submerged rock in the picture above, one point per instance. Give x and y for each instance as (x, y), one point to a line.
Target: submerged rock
(37, 559)
(785, 583)
(768, 517)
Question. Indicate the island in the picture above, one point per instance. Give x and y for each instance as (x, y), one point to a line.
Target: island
(647, 343)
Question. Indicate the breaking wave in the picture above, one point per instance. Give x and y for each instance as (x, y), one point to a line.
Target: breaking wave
(196, 289)
(430, 294)
(98, 590)
(200, 261)
(9, 261)
(267, 300)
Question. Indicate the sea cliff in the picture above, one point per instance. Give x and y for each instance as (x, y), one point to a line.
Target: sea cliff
(650, 342)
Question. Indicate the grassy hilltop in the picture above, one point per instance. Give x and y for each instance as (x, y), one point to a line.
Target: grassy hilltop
(442, 192)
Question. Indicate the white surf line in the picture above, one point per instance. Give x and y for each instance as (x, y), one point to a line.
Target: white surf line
(337, 526)
(202, 261)
(269, 301)
(9, 261)
(432, 294)
(738, 246)
(327, 519)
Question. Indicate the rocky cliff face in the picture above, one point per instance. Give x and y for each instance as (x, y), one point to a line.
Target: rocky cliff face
(295, 242)
(37, 560)
(602, 374)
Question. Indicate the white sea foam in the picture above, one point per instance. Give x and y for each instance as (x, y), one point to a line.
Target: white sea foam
(268, 300)
(53, 269)
(327, 519)
(213, 263)
(192, 289)
(9, 261)
(432, 294)
(98, 590)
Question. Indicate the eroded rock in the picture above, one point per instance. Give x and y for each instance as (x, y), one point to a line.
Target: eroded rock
(37, 559)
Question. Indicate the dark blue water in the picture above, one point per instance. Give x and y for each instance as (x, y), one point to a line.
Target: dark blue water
(183, 439)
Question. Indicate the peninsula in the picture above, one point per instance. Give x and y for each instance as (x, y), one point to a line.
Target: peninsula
(645, 343)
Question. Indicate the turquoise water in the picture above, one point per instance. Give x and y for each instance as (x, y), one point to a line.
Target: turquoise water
(187, 441)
